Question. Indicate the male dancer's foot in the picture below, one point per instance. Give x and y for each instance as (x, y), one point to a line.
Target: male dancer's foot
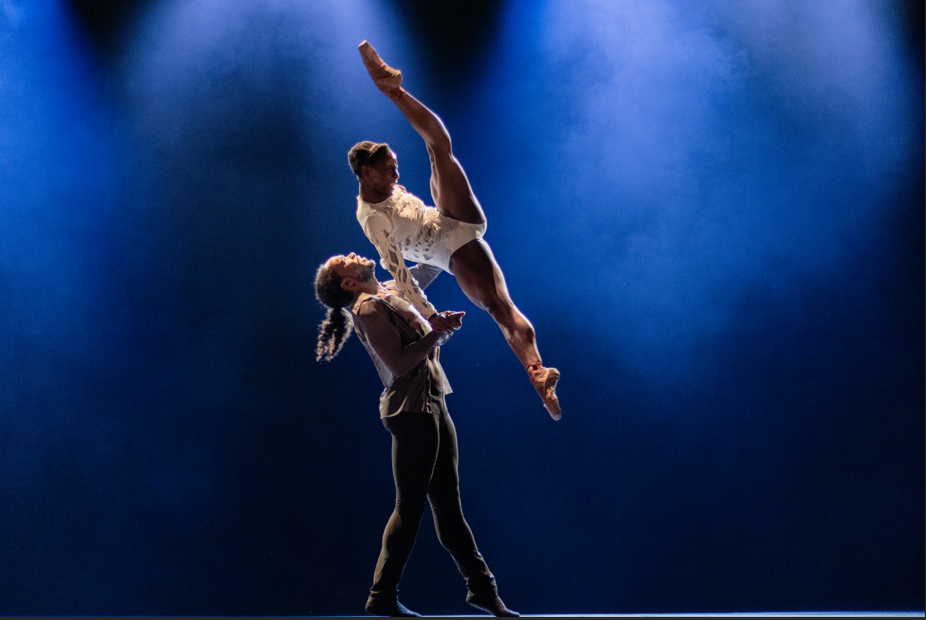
(386, 78)
(545, 380)
(491, 604)
(393, 609)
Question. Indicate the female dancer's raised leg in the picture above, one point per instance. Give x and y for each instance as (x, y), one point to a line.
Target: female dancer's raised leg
(450, 188)
(476, 270)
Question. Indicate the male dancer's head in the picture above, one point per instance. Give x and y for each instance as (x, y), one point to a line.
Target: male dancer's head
(338, 283)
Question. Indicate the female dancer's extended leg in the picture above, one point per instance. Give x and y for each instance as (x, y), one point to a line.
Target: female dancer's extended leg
(474, 265)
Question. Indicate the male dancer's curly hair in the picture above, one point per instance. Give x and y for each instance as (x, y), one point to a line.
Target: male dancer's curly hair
(336, 328)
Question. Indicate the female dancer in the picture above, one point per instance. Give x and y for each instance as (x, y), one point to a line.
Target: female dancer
(400, 226)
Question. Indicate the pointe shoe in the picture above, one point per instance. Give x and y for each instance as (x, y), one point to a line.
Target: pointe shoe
(393, 609)
(545, 380)
(491, 604)
(385, 77)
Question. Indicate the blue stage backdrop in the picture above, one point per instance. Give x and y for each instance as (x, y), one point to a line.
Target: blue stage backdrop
(712, 212)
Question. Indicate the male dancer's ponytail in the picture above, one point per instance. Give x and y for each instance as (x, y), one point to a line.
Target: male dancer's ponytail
(338, 324)
(332, 333)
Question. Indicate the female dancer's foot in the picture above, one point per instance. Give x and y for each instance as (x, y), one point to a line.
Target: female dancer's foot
(385, 77)
(545, 380)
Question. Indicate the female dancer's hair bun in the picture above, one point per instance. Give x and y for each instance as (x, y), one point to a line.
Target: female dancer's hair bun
(362, 153)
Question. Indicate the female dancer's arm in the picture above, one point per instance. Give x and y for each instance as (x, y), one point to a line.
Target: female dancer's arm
(424, 274)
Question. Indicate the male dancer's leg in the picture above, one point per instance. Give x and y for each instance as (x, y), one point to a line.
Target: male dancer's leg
(452, 530)
(415, 444)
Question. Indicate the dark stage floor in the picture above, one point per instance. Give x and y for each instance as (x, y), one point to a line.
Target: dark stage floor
(774, 614)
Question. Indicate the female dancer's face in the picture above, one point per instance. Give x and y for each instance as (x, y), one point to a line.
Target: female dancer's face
(382, 175)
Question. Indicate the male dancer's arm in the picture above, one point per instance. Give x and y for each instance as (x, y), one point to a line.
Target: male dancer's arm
(425, 274)
(384, 338)
(379, 232)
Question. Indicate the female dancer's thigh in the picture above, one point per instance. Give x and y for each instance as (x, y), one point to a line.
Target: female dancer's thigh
(479, 276)
(451, 190)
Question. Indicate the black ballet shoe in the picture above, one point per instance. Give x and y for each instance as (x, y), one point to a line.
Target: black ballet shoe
(491, 604)
(393, 609)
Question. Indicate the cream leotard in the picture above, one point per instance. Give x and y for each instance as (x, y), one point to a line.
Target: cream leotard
(403, 227)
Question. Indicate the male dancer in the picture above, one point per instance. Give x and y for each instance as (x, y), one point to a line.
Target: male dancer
(405, 350)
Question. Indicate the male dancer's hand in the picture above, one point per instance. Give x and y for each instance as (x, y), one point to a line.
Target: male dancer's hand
(447, 321)
(455, 318)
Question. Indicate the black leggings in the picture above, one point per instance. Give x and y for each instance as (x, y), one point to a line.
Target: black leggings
(424, 465)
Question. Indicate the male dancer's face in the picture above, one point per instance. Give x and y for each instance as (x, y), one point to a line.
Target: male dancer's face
(353, 266)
